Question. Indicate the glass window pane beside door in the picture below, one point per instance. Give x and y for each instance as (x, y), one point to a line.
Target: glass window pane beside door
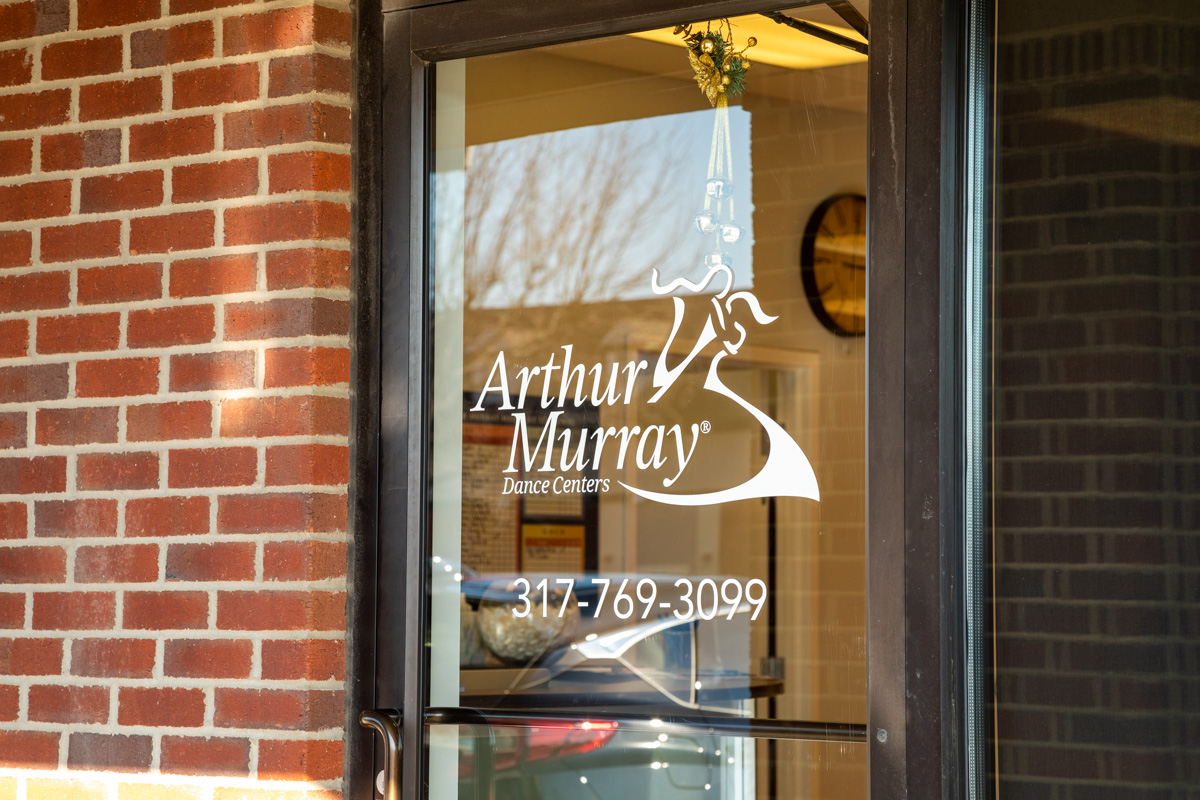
(1096, 569)
(647, 493)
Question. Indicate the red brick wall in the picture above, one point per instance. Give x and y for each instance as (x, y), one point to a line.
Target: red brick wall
(174, 366)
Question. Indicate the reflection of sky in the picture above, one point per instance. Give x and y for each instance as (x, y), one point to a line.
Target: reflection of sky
(585, 214)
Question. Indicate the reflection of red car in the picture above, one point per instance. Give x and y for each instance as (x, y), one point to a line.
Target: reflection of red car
(518, 746)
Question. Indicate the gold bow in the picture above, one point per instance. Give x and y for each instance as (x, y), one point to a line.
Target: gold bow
(708, 77)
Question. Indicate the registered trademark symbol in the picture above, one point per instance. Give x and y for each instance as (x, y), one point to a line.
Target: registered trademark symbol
(705, 426)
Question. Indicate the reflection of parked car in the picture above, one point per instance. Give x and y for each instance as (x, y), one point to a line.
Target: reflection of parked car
(574, 648)
(598, 760)
(524, 746)
(584, 647)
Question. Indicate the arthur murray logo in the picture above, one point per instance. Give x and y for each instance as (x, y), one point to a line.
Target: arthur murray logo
(786, 472)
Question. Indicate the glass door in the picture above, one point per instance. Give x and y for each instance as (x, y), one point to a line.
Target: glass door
(645, 495)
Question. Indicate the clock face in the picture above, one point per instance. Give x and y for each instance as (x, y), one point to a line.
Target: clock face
(833, 264)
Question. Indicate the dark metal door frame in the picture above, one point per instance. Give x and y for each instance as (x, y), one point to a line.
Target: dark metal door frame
(914, 239)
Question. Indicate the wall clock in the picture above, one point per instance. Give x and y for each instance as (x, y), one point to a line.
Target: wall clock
(833, 264)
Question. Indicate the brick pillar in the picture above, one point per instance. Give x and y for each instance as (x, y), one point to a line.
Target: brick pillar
(174, 366)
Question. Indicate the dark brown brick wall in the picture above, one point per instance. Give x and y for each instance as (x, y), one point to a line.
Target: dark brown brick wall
(1097, 436)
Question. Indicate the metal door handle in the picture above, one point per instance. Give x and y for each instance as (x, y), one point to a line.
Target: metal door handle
(386, 722)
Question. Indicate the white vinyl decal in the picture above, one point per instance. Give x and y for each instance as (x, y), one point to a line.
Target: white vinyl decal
(787, 471)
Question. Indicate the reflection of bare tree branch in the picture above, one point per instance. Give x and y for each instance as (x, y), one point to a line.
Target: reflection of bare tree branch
(561, 220)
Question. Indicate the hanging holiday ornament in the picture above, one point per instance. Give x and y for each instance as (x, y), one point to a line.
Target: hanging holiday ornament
(720, 71)
(731, 233)
(715, 187)
(717, 258)
(707, 222)
(720, 68)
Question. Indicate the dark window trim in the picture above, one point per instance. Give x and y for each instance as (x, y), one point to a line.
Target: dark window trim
(363, 514)
(915, 672)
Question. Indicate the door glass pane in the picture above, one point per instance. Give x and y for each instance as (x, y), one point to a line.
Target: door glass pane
(648, 392)
(1097, 397)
